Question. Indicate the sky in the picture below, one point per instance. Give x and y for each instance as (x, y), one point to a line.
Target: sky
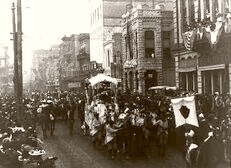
(44, 23)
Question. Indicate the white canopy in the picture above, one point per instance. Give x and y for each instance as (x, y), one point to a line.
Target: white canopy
(102, 78)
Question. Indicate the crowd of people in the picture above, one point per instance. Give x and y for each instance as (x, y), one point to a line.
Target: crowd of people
(127, 124)
(133, 124)
(19, 144)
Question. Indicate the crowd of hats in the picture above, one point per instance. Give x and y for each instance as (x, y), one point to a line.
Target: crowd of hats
(17, 139)
(159, 106)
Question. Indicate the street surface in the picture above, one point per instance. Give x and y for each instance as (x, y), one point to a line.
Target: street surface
(78, 152)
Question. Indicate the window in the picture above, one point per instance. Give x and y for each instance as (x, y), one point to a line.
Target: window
(136, 42)
(192, 12)
(184, 15)
(131, 46)
(108, 58)
(149, 44)
(126, 48)
(166, 43)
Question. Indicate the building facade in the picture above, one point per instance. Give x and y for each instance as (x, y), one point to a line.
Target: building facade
(146, 52)
(68, 63)
(4, 70)
(201, 47)
(52, 72)
(105, 25)
(45, 72)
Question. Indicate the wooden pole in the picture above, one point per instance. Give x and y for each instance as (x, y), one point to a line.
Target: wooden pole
(19, 57)
(14, 50)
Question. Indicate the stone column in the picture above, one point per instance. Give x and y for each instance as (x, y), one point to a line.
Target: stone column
(128, 79)
(212, 10)
(177, 73)
(187, 81)
(202, 9)
(212, 83)
(134, 80)
(124, 82)
(229, 78)
(141, 81)
(221, 82)
(221, 6)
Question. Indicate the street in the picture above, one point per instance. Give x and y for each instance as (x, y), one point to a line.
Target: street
(78, 152)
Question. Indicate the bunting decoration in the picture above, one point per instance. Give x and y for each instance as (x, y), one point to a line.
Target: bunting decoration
(213, 33)
(188, 38)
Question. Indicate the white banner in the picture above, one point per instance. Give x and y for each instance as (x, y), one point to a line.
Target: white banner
(189, 102)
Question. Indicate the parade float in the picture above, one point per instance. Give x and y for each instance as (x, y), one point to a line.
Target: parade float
(99, 88)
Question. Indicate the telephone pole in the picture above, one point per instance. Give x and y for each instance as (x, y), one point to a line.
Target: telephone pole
(17, 44)
(19, 49)
(19, 57)
(15, 51)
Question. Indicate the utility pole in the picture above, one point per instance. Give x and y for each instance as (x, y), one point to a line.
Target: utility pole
(17, 45)
(19, 56)
(15, 51)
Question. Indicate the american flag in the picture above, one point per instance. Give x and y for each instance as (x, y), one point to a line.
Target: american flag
(188, 38)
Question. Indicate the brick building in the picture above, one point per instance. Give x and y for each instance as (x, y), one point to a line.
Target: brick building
(201, 45)
(105, 28)
(146, 52)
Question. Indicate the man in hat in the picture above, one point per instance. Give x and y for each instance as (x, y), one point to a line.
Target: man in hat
(204, 129)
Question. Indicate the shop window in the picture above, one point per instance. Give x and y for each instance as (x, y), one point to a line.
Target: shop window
(149, 44)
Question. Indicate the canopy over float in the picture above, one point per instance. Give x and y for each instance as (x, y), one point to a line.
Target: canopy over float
(102, 78)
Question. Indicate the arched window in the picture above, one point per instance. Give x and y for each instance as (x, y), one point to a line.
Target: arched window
(149, 44)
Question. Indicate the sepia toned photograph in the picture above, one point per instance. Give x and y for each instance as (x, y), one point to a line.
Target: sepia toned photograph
(115, 83)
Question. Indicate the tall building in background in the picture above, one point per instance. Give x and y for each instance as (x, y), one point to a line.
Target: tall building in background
(146, 48)
(4, 70)
(105, 21)
(39, 69)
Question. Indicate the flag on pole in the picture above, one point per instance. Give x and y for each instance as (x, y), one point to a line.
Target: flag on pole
(185, 111)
